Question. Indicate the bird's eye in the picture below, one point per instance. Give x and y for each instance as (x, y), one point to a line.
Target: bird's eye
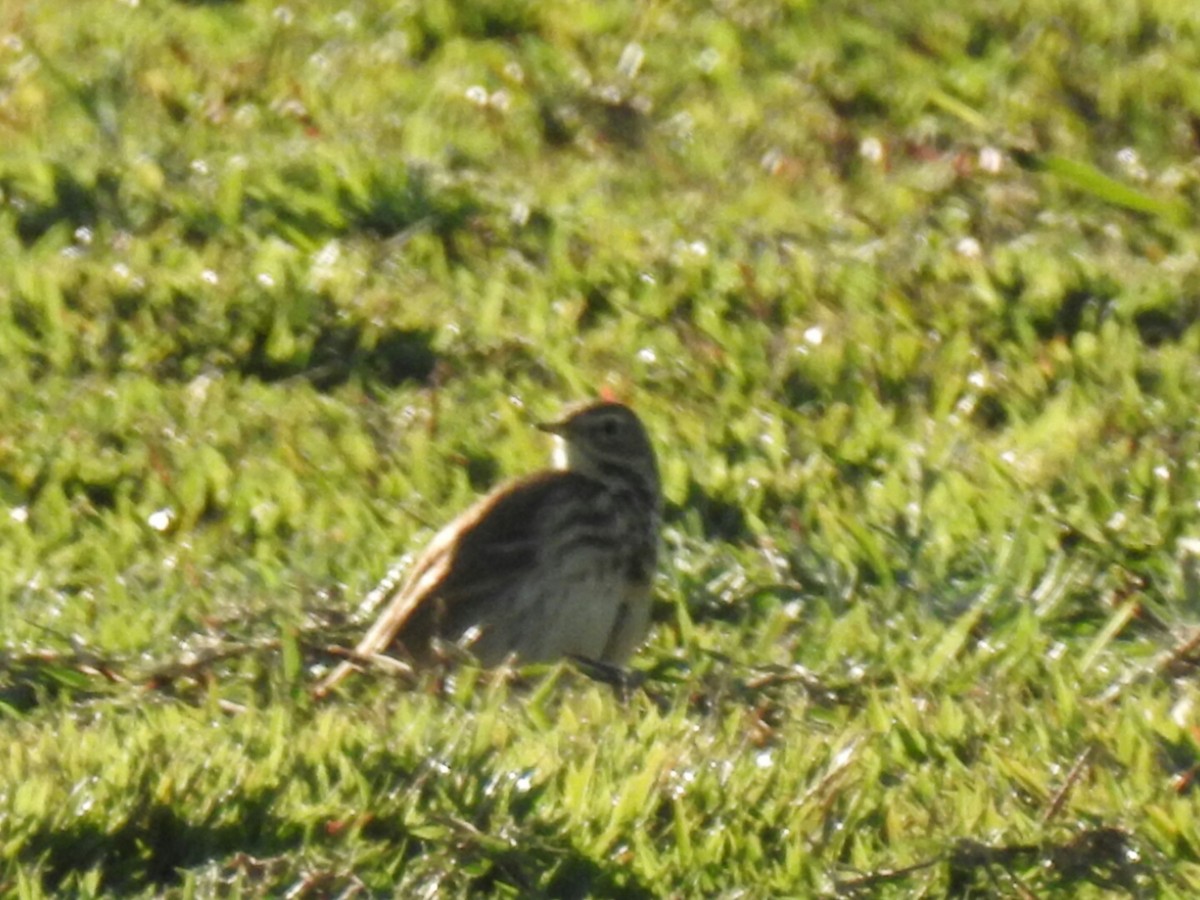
(609, 428)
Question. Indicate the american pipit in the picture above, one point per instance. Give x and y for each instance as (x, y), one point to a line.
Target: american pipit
(554, 564)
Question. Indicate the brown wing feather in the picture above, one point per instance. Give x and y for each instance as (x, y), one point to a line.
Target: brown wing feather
(481, 555)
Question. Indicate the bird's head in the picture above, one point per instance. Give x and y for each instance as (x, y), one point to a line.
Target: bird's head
(604, 440)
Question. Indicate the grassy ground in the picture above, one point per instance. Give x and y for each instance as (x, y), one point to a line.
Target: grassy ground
(906, 292)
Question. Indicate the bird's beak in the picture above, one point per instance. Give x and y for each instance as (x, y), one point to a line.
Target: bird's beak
(552, 427)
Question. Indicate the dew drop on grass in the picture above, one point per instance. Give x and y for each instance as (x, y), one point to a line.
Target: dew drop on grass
(161, 519)
(1183, 713)
(991, 160)
(969, 248)
(1190, 545)
(328, 255)
(85, 799)
(842, 758)
(631, 60)
(1128, 159)
(724, 770)
(680, 780)
(871, 149)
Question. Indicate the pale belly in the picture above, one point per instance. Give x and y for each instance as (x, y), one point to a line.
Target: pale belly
(591, 610)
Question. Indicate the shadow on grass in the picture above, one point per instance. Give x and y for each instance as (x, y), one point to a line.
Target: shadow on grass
(155, 846)
(337, 354)
(151, 846)
(541, 862)
(1104, 857)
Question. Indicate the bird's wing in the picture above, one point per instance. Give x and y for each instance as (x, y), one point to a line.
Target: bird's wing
(480, 556)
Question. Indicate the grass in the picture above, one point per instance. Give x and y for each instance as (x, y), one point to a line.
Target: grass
(907, 295)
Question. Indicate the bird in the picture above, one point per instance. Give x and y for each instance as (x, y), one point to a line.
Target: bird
(559, 563)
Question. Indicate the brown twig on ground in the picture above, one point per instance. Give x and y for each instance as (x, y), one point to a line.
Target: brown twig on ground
(1073, 776)
(1101, 856)
(1184, 652)
(194, 663)
(83, 661)
(381, 661)
(851, 886)
(1181, 654)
